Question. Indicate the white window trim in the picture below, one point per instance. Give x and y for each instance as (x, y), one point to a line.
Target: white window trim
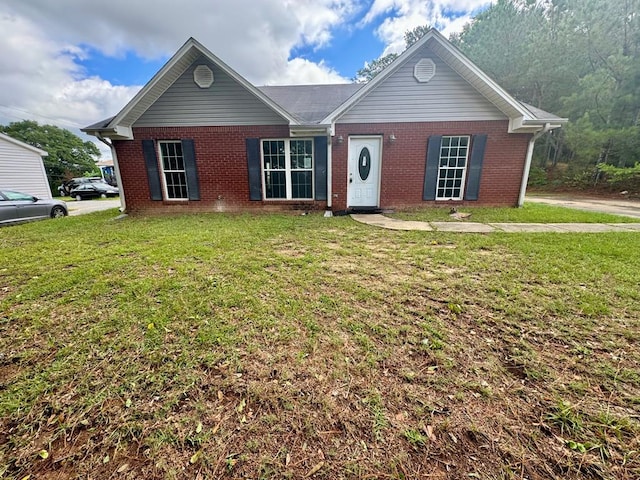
(165, 190)
(288, 169)
(464, 171)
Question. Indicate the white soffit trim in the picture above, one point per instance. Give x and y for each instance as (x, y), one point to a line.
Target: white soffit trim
(170, 72)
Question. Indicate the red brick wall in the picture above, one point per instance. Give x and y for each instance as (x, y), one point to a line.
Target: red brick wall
(222, 165)
(403, 162)
(221, 159)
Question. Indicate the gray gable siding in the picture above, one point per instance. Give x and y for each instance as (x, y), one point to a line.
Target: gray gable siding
(226, 102)
(401, 98)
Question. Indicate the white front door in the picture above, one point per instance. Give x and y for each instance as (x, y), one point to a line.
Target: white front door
(365, 158)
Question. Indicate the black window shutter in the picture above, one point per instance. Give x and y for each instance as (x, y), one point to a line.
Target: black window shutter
(191, 170)
(253, 161)
(153, 175)
(320, 167)
(431, 170)
(478, 144)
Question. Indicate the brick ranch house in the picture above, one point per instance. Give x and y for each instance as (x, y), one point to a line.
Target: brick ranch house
(432, 128)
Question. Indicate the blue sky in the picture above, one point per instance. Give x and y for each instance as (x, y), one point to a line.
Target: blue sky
(71, 62)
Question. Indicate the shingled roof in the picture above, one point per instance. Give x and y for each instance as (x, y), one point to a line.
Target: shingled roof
(311, 103)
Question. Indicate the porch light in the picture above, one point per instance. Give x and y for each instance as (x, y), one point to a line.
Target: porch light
(392, 138)
(340, 140)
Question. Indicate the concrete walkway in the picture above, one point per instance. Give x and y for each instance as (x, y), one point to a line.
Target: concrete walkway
(381, 221)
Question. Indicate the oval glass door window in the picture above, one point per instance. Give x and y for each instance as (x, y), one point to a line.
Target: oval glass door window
(364, 163)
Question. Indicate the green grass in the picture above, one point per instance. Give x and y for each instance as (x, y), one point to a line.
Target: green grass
(528, 213)
(280, 346)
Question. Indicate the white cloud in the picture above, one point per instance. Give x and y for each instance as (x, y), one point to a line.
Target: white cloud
(255, 37)
(300, 71)
(403, 15)
(41, 80)
(42, 41)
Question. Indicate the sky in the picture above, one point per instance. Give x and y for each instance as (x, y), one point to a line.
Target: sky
(72, 63)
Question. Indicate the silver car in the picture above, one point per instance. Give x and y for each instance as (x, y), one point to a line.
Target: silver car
(21, 207)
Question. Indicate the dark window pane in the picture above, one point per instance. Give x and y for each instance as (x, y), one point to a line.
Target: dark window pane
(301, 154)
(176, 184)
(275, 184)
(301, 185)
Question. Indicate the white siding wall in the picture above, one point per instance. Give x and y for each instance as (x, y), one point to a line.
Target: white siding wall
(401, 98)
(22, 170)
(226, 102)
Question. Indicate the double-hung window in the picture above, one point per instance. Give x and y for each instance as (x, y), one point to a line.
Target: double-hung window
(287, 167)
(174, 175)
(454, 152)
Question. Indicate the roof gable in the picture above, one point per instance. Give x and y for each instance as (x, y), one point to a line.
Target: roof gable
(224, 102)
(319, 106)
(520, 117)
(440, 96)
(120, 125)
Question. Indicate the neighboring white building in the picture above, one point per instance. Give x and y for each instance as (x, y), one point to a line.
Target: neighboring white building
(22, 169)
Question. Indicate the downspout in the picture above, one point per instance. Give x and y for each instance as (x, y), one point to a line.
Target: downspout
(114, 156)
(328, 212)
(329, 175)
(527, 163)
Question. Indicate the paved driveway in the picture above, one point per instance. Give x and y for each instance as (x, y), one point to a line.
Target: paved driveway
(88, 206)
(622, 206)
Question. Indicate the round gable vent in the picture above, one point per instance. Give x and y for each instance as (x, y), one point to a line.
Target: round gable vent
(424, 70)
(203, 76)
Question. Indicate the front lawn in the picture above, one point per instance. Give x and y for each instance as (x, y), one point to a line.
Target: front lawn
(241, 346)
(528, 213)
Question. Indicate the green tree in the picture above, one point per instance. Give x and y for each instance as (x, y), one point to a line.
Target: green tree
(69, 156)
(374, 67)
(576, 58)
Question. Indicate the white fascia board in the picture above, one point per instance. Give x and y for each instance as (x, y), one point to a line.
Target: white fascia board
(115, 122)
(26, 146)
(475, 70)
(117, 132)
(192, 43)
(522, 125)
(245, 83)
